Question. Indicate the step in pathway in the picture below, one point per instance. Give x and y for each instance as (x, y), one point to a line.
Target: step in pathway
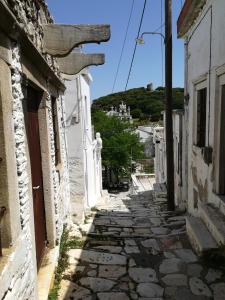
(136, 249)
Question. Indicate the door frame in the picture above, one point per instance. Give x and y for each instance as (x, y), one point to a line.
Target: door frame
(31, 119)
(47, 165)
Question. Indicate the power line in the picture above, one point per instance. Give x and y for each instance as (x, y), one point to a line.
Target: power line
(160, 27)
(135, 47)
(124, 42)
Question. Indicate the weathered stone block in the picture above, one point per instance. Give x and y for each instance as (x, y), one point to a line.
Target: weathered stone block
(59, 40)
(75, 62)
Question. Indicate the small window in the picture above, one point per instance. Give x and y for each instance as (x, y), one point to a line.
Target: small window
(201, 117)
(56, 131)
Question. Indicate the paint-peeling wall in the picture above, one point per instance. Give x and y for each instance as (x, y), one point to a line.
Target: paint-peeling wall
(205, 54)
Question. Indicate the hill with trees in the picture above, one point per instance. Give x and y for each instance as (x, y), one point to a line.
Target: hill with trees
(144, 103)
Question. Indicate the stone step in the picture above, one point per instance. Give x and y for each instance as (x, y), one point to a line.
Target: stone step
(144, 226)
(214, 221)
(199, 236)
(159, 187)
(222, 206)
(110, 235)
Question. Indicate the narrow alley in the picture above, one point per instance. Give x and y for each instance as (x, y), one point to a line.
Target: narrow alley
(135, 249)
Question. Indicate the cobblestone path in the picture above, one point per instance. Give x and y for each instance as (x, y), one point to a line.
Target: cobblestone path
(135, 249)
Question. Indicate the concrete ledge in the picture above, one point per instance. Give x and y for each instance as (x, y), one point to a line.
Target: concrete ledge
(60, 40)
(46, 273)
(75, 62)
(214, 221)
(199, 236)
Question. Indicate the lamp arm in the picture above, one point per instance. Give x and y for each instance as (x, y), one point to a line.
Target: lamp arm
(157, 33)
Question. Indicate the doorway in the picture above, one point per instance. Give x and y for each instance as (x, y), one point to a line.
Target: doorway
(31, 106)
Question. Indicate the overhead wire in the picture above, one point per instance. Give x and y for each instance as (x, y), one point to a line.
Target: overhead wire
(135, 47)
(124, 42)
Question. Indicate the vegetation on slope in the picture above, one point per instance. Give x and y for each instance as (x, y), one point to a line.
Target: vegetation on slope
(144, 104)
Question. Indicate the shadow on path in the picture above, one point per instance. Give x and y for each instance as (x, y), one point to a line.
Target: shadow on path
(136, 249)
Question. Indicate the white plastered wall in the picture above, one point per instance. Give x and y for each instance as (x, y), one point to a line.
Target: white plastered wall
(205, 54)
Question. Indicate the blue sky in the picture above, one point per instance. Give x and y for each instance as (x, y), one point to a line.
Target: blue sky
(147, 65)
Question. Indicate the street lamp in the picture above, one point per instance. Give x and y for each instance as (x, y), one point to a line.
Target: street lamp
(140, 40)
(168, 101)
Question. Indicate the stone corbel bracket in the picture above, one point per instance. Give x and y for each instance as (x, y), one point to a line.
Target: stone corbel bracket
(59, 40)
(75, 62)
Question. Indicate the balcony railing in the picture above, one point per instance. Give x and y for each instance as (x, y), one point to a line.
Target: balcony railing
(2, 212)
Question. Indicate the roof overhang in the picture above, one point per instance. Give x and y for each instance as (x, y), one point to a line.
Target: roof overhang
(188, 15)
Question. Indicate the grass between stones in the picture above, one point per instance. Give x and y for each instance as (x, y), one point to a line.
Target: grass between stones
(65, 245)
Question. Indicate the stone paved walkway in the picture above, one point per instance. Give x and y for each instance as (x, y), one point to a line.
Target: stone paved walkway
(136, 250)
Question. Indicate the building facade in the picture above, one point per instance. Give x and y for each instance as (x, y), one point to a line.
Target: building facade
(84, 150)
(146, 137)
(178, 147)
(122, 112)
(159, 139)
(201, 24)
(34, 185)
(34, 181)
(160, 154)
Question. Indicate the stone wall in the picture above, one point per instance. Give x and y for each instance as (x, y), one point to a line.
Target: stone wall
(18, 276)
(18, 271)
(61, 177)
(31, 14)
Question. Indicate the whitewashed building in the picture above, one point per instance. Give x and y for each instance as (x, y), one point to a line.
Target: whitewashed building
(179, 151)
(84, 150)
(159, 139)
(160, 154)
(145, 134)
(201, 25)
(122, 112)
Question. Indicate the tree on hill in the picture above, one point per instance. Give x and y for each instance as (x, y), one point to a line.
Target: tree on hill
(149, 103)
(120, 144)
(136, 113)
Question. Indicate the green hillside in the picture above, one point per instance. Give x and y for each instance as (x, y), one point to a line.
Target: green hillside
(144, 104)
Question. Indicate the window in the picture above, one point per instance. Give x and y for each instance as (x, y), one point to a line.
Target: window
(201, 117)
(56, 131)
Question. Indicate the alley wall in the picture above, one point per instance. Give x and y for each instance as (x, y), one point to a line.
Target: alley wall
(18, 73)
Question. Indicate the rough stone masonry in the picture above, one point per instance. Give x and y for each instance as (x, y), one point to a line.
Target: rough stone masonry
(18, 270)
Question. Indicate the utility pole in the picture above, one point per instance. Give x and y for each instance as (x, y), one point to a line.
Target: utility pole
(169, 104)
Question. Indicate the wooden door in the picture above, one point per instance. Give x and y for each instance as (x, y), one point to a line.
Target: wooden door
(31, 106)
